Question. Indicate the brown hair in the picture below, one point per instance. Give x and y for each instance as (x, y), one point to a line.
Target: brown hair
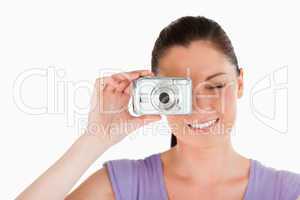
(185, 30)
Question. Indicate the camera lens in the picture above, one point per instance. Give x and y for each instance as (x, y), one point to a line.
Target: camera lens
(164, 97)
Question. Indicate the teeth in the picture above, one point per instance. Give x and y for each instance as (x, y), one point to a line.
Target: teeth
(203, 125)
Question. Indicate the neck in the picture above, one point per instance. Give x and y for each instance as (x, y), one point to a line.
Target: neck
(210, 162)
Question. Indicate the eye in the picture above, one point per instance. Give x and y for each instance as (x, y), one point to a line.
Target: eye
(217, 86)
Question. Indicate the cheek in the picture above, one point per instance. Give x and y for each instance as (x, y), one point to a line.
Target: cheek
(175, 120)
(229, 104)
(177, 124)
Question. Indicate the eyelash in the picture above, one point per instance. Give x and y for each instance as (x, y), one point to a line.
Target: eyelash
(220, 86)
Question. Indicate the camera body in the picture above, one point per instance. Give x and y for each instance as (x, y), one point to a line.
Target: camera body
(162, 95)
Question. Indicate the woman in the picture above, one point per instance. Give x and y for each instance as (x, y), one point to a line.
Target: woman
(202, 163)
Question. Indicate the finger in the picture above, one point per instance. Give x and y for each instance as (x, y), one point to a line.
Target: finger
(144, 72)
(128, 89)
(122, 86)
(123, 76)
(111, 84)
(102, 82)
(132, 75)
(109, 88)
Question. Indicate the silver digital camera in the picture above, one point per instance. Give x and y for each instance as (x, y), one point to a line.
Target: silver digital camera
(162, 95)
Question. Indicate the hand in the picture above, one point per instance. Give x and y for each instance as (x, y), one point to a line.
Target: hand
(109, 118)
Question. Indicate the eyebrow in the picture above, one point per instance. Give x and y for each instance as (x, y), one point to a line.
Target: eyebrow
(214, 75)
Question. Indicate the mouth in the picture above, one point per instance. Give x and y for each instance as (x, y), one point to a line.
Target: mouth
(203, 127)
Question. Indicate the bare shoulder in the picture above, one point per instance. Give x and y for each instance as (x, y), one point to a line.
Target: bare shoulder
(97, 186)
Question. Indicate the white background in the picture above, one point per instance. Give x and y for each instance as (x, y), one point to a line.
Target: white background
(76, 39)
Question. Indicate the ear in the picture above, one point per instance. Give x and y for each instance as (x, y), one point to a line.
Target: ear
(240, 83)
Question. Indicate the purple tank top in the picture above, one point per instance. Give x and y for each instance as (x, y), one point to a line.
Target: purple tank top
(143, 179)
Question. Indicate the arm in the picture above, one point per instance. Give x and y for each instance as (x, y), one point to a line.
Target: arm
(58, 180)
(96, 187)
(110, 94)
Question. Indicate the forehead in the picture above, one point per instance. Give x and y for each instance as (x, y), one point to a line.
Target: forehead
(200, 58)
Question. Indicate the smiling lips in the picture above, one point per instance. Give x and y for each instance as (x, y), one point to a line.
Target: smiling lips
(204, 125)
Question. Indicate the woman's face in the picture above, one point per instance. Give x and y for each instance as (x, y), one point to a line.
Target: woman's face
(215, 87)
